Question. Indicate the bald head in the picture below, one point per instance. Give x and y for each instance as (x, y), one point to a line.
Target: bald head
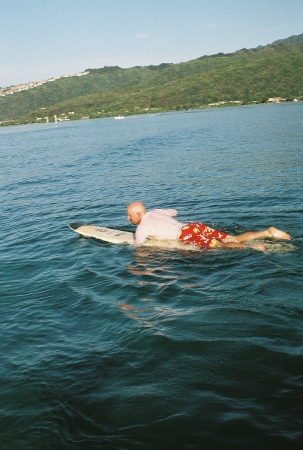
(135, 212)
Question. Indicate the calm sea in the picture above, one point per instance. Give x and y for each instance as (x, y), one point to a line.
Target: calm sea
(104, 347)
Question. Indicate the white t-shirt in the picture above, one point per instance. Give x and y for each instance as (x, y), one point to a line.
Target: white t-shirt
(158, 224)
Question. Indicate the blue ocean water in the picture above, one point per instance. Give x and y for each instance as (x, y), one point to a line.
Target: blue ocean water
(103, 346)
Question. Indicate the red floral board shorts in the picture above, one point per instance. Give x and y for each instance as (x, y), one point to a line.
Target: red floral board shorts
(201, 234)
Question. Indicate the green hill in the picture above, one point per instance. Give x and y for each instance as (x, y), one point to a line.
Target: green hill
(292, 41)
(248, 75)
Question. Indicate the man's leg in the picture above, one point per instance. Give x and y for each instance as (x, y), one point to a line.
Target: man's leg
(271, 232)
(238, 245)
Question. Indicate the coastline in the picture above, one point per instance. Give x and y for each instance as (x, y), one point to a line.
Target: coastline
(144, 111)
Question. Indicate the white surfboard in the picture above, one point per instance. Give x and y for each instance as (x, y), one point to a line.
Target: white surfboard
(123, 237)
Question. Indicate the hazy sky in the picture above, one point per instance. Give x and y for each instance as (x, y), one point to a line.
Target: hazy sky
(44, 38)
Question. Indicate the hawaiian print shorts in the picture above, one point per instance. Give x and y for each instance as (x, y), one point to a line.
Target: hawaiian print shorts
(201, 234)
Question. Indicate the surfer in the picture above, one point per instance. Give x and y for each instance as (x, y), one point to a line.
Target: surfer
(159, 224)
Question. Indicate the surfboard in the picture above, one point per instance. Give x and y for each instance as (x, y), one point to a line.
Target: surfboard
(125, 237)
(122, 237)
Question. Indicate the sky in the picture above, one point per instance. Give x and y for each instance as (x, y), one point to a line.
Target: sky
(40, 39)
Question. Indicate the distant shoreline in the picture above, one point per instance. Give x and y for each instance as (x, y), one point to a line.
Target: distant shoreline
(146, 111)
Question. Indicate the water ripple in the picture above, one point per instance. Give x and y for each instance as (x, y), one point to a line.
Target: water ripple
(104, 346)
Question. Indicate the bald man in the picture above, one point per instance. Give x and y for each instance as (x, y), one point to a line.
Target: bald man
(159, 224)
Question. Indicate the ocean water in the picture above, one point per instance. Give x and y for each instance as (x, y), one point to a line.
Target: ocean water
(106, 347)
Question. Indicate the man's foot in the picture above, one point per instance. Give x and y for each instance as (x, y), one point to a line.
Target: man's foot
(278, 234)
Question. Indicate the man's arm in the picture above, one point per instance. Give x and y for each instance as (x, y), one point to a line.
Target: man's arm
(140, 235)
(171, 212)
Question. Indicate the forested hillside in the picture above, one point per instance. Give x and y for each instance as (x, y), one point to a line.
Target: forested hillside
(248, 75)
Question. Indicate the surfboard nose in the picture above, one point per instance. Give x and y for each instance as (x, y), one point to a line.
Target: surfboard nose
(75, 225)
